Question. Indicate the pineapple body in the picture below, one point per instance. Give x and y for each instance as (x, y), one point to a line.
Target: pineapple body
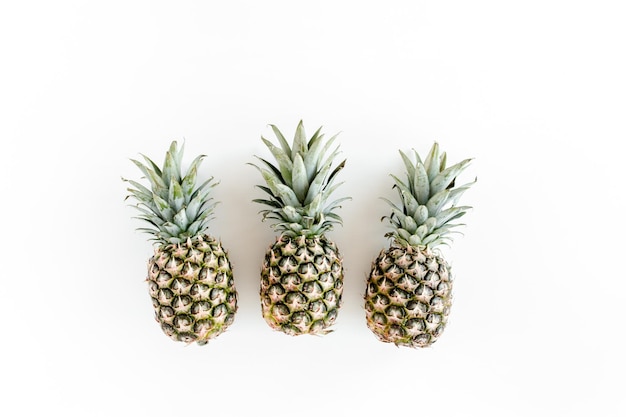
(301, 285)
(408, 296)
(192, 289)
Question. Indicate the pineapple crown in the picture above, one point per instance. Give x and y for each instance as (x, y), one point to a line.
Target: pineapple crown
(428, 198)
(300, 184)
(174, 207)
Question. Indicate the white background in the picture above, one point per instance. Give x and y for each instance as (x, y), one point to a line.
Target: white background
(533, 90)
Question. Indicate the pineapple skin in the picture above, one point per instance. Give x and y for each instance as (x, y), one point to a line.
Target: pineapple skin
(192, 289)
(408, 296)
(301, 285)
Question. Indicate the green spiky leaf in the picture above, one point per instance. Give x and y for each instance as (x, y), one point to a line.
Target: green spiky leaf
(421, 186)
(300, 181)
(303, 180)
(445, 177)
(285, 164)
(428, 198)
(174, 204)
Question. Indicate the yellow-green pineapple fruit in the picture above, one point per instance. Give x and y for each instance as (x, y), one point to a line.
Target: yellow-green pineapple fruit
(409, 289)
(190, 278)
(302, 272)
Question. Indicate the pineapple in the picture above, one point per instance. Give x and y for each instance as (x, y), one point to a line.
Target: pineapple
(409, 288)
(302, 272)
(190, 278)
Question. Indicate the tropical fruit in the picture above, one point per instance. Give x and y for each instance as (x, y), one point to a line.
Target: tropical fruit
(302, 272)
(409, 289)
(190, 278)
